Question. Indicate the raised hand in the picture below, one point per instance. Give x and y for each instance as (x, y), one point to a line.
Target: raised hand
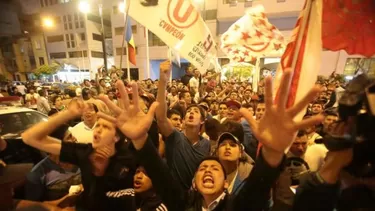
(76, 107)
(277, 129)
(130, 119)
(165, 70)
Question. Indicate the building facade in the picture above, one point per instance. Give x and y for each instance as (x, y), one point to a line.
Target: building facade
(219, 15)
(72, 38)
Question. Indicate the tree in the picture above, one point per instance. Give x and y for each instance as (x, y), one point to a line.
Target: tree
(47, 69)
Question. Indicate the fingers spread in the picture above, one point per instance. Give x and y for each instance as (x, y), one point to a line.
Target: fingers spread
(309, 122)
(135, 96)
(302, 104)
(283, 91)
(249, 118)
(111, 105)
(268, 93)
(107, 117)
(123, 93)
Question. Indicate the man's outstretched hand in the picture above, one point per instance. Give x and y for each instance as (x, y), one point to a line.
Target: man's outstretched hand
(130, 119)
(277, 129)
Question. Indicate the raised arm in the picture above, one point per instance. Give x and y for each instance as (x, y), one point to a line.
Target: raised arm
(170, 191)
(165, 126)
(276, 131)
(37, 135)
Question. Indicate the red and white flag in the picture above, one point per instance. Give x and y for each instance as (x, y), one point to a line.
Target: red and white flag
(303, 53)
(251, 37)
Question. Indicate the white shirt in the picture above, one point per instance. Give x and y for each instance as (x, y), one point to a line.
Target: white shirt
(82, 133)
(214, 204)
(194, 84)
(315, 155)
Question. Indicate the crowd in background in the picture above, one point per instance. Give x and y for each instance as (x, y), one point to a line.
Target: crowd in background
(202, 124)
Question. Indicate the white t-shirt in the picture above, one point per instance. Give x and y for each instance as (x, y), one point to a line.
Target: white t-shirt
(82, 133)
(194, 84)
(315, 155)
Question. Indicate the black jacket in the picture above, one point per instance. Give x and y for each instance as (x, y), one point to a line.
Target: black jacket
(314, 195)
(253, 196)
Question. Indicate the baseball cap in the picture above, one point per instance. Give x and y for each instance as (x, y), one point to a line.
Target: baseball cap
(230, 136)
(234, 103)
(12, 174)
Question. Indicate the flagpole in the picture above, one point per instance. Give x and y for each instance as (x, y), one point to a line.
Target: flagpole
(127, 61)
(124, 37)
(256, 75)
(170, 60)
(147, 54)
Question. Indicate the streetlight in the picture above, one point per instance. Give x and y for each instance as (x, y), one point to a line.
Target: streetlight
(121, 7)
(85, 8)
(47, 22)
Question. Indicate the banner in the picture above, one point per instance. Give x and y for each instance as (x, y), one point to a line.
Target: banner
(180, 26)
(251, 37)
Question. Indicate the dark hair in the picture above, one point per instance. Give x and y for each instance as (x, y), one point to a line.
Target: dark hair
(94, 107)
(54, 98)
(215, 159)
(301, 133)
(201, 110)
(234, 128)
(182, 94)
(42, 92)
(85, 93)
(84, 81)
(72, 93)
(213, 128)
(171, 112)
(223, 103)
(330, 113)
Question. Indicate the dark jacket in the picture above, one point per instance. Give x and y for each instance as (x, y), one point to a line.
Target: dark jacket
(314, 195)
(253, 195)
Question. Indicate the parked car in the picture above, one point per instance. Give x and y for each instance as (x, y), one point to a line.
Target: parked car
(13, 121)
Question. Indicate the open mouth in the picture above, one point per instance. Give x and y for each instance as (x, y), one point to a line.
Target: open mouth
(137, 184)
(208, 181)
(227, 153)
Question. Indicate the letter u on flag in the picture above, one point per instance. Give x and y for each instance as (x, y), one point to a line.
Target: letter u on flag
(303, 53)
(130, 42)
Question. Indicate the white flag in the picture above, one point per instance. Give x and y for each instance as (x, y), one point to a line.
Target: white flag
(180, 26)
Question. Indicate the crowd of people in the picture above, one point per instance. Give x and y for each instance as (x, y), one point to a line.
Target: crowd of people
(197, 143)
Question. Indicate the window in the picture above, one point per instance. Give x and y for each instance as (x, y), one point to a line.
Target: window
(211, 14)
(41, 61)
(78, 20)
(82, 36)
(365, 65)
(134, 29)
(154, 40)
(58, 38)
(37, 44)
(68, 23)
(115, 10)
(77, 54)
(119, 30)
(119, 51)
(59, 55)
(70, 41)
(97, 37)
(97, 54)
